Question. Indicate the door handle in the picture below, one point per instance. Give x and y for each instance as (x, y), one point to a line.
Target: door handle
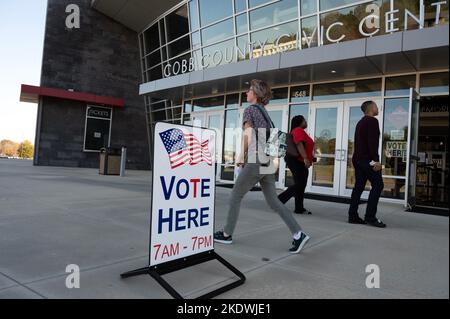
(344, 155)
(338, 155)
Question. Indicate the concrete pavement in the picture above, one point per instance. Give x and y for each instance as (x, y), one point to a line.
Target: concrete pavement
(52, 217)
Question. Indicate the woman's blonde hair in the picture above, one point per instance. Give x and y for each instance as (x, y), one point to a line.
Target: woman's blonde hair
(262, 91)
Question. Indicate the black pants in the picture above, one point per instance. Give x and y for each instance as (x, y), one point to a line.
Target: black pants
(364, 172)
(300, 173)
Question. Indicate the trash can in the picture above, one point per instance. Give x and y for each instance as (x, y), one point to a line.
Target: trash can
(110, 161)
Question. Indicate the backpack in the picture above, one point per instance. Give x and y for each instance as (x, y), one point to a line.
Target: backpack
(275, 145)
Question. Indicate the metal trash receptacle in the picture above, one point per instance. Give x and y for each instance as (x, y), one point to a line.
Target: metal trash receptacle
(110, 161)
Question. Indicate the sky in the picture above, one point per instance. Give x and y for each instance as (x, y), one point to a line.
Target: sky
(22, 26)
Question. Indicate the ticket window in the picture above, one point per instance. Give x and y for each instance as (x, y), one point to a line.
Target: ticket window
(98, 128)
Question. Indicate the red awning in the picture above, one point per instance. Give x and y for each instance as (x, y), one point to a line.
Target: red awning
(31, 94)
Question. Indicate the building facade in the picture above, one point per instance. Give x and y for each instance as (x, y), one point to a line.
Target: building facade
(323, 58)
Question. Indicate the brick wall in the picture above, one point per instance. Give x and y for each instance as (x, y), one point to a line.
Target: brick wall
(102, 57)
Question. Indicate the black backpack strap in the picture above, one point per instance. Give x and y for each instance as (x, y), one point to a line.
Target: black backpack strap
(265, 115)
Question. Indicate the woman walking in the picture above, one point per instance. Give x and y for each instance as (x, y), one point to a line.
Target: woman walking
(251, 173)
(299, 165)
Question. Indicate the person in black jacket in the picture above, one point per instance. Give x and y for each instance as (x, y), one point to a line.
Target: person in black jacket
(366, 162)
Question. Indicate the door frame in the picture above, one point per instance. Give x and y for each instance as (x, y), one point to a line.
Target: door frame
(341, 152)
(339, 105)
(284, 108)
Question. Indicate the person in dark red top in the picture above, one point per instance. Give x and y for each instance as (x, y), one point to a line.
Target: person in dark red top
(366, 162)
(299, 166)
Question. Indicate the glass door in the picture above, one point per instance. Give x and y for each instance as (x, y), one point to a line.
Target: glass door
(326, 125)
(279, 116)
(352, 115)
(412, 153)
(214, 121)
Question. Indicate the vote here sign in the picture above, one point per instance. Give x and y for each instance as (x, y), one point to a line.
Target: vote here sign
(182, 215)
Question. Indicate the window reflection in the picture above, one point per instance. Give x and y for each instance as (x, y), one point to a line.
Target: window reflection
(395, 136)
(218, 32)
(309, 32)
(275, 13)
(434, 83)
(308, 7)
(351, 89)
(241, 23)
(211, 103)
(400, 85)
(179, 47)
(177, 23)
(276, 39)
(213, 10)
(350, 18)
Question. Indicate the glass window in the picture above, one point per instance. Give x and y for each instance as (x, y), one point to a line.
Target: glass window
(244, 102)
(241, 23)
(219, 54)
(188, 107)
(400, 85)
(279, 96)
(353, 89)
(300, 94)
(393, 188)
(275, 13)
(232, 101)
(211, 103)
(255, 3)
(179, 47)
(196, 41)
(213, 10)
(244, 50)
(229, 144)
(330, 4)
(434, 83)
(193, 15)
(308, 7)
(395, 136)
(151, 38)
(177, 23)
(155, 73)
(298, 109)
(218, 32)
(275, 39)
(240, 5)
(153, 59)
(350, 18)
(162, 32)
(309, 33)
(413, 7)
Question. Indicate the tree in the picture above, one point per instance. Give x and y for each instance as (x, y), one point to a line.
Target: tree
(8, 148)
(25, 150)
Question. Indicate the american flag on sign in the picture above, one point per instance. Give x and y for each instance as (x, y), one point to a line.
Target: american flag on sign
(185, 148)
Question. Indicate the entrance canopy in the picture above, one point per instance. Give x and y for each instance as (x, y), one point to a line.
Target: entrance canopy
(134, 14)
(402, 52)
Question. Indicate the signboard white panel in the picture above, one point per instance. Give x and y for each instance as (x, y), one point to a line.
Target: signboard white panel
(183, 194)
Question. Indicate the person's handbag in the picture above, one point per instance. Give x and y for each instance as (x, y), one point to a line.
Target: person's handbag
(275, 145)
(292, 150)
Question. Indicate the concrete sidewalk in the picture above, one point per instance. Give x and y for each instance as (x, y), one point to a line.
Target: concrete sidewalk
(53, 217)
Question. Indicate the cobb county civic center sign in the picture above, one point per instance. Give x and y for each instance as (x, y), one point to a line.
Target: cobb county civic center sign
(182, 215)
(368, 26)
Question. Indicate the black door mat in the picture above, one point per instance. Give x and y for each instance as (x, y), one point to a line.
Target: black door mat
(429, 210)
